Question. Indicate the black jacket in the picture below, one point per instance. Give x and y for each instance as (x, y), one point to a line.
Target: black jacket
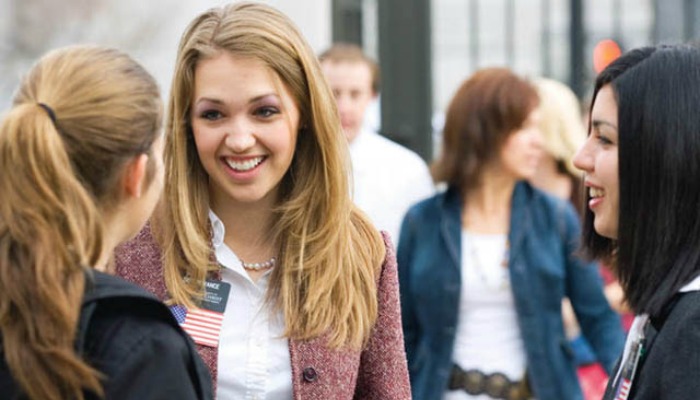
(133, 339)
(669, 370)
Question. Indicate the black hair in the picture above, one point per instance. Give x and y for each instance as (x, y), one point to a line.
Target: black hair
(658, 243)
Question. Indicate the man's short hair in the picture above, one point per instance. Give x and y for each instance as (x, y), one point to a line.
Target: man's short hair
(351, 53)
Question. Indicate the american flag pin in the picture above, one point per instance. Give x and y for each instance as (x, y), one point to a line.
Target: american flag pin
(202, 325)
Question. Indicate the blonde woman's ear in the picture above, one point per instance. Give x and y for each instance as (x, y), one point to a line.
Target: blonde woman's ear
(134, 176)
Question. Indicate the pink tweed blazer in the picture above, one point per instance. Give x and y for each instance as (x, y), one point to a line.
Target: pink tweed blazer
(379, 371)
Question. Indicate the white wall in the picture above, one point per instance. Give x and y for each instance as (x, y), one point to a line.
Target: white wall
(147, 29)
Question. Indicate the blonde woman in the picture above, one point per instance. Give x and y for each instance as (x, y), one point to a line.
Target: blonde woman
(81, 169)
(257, 223)
(563, 132)
(561, 124)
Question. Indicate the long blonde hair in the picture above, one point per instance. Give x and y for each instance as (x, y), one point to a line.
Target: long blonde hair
(330, 254)
(78, 116)
(561, 122)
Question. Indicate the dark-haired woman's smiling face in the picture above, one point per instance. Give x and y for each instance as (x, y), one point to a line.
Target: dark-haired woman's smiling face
(598, 159)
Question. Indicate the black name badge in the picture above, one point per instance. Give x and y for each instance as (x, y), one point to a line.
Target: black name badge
(215, 295)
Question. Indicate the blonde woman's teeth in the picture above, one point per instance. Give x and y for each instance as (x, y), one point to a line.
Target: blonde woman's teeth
(246, 165)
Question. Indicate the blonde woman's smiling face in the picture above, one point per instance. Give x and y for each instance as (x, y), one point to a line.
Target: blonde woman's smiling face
(598, 158)
(245, 125)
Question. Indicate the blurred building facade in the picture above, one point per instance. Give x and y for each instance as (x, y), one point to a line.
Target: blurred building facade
(149, 30)
(552, 38)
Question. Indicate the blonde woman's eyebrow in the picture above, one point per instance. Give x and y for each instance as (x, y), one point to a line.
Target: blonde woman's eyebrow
(255, 99)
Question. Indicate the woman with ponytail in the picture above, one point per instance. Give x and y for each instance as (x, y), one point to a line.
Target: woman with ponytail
(80, 171)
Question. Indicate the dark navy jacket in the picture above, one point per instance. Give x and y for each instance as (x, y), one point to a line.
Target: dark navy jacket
(131, 338)
(543, 237)
(669, 368)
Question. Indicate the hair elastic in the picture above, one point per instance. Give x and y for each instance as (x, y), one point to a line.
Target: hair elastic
(49, 111)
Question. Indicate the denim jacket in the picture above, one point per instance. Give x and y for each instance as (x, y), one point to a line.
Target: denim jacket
(544, 234)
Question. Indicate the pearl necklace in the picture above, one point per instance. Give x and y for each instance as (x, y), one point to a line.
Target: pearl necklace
(259, 266)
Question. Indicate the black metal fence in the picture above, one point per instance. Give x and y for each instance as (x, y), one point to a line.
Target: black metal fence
(406, 45)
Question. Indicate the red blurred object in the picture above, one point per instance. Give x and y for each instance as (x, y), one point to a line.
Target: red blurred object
(608, 278)
(605, 52)
(593, 380)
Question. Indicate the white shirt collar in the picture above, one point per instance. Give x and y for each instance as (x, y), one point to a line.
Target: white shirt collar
(225, 255)
(692, 286)
(218, 230)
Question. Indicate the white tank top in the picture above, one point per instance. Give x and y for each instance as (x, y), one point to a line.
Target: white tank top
(488, 337)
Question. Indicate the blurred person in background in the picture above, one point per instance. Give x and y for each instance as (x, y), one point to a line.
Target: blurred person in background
(258, 219)
(387, 177)
(81, 170)
(642, 172)
(563, 132)
(484, 266)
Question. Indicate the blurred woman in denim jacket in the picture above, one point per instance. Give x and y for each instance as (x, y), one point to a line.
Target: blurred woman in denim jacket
(484, 266)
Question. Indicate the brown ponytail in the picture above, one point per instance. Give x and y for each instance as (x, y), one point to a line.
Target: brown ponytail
(49, 228)
(56, 179)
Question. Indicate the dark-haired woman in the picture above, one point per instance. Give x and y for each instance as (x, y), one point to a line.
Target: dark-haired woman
(642, 166)
(484, 266)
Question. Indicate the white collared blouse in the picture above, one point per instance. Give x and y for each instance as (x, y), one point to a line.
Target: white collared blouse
(254, 360)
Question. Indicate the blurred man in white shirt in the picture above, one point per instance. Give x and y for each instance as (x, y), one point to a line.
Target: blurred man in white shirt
(387, 177)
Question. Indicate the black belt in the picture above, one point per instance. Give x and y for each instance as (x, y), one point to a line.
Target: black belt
(497, 385)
